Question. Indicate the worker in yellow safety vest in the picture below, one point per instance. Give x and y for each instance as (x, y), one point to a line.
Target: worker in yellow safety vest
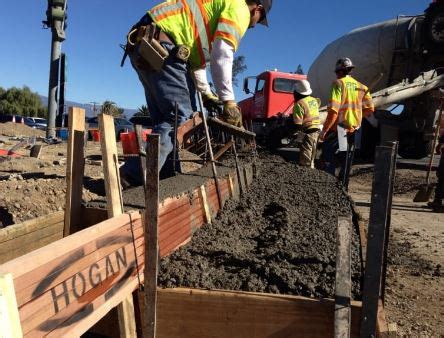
(170, 47)
(306, 117)
(349, 102)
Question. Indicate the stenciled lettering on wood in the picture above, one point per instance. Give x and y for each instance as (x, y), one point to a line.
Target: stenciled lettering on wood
(81, 282)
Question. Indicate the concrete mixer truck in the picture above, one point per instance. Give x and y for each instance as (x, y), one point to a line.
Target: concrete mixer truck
(402, 62)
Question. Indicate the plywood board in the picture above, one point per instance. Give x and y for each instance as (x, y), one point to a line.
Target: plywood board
(77, 279)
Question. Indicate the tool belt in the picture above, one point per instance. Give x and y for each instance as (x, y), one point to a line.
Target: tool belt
(144, 46)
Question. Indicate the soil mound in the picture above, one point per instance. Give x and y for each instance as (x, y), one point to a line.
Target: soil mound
(280, 238)
(19, 129)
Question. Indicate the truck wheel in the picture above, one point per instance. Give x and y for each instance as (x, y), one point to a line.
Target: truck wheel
(412, 146)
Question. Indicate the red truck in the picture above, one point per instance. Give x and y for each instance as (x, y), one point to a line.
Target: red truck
(267, 111)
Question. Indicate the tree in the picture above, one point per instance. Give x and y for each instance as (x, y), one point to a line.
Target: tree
(299, 70)
(142, 111)
(239, 66)
(16, 101)
(110, 108)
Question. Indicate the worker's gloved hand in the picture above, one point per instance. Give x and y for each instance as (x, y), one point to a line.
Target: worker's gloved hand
(210, 101)
(232, 114)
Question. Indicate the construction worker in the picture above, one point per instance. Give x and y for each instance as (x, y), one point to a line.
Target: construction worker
(349, 101)
(306, 117)
(191, 33)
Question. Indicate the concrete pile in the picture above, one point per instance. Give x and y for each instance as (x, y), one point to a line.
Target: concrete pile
(280, 238)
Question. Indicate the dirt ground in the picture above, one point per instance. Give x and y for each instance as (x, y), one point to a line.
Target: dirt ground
(414, 291)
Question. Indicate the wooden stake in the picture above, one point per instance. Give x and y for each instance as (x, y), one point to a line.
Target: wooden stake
(74, 168)
(151, 234)
(343, 278)
(139, 139)
(114, 205)
(376, 242)
(35, 151)
(205, 207)
(9, 315)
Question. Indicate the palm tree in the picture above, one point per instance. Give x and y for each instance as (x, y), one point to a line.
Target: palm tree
(142, 111)
(109, 108)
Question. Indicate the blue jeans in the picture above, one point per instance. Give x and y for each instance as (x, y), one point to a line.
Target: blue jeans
(163, 89)
(330, 148)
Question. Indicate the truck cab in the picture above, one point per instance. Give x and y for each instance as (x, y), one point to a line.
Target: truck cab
(267, 111)
(272, 95)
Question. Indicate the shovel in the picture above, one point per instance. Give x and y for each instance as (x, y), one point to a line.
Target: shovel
(424, 193)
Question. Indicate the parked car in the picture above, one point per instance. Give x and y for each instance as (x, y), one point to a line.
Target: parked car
(121, 125)
(36, 122)
(11, 118)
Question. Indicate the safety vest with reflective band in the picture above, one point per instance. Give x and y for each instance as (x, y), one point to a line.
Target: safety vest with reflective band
(350, 99)
(197, 23)
(306, 112)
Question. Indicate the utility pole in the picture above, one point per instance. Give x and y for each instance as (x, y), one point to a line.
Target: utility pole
(95, 104)
(56, 20)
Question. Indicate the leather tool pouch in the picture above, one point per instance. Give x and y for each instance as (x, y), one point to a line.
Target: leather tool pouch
(150, 53)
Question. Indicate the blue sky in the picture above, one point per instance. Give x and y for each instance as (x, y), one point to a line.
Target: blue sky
(299, 30)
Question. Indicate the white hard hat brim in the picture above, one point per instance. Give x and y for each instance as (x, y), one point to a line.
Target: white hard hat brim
(307, 92)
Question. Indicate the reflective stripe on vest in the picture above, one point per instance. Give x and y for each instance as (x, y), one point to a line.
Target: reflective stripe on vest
(201, 27)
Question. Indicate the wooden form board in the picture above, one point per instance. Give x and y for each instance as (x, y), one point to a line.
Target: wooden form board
(75, 167)
(151, 235)
(379, 217)
(190, 313)
(19, 239)
(64, 288)
(343, 283)
(114, 205)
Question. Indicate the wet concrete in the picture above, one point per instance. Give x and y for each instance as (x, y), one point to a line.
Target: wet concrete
(280, 238)
(134, 198)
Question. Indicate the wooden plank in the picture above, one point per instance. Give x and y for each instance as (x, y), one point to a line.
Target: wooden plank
(394, 145)
(151, 235)
(74, 167)
(9, 316)
(33, 260)
(30, 246)
(193, 313)
(343, 278)
(204, 201)
(379, 210)
(142, 162)
(62, 279)
(21, 229)
(231, 130)
(17, 243)
(113, 190)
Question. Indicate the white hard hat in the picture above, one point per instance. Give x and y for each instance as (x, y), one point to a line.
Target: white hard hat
(302, 87)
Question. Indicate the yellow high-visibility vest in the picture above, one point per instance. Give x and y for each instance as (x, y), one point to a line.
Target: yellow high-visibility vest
(306, 112)
(350, 99)
(197, 23)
